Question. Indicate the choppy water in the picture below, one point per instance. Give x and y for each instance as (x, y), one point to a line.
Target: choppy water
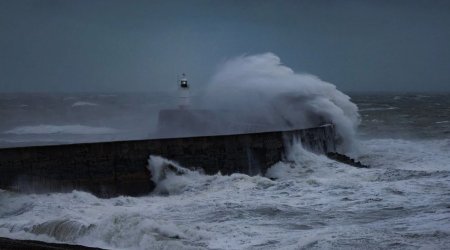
(402, 202)
(408, 116)
(40, 118)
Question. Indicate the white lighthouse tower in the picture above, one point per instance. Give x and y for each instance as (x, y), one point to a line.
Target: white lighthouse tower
(184, 95)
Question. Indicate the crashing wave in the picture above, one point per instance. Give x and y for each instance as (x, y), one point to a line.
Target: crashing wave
(259, 88)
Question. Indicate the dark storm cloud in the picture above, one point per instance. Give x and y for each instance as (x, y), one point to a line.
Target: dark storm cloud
(91, 45)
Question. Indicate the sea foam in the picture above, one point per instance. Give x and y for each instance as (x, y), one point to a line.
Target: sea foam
(83, 104)
(313, 203)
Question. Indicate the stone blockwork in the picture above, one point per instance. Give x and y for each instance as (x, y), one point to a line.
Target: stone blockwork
(120, 168)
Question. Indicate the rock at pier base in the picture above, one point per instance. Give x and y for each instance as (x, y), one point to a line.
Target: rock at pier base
(12, 244)
(345, 159)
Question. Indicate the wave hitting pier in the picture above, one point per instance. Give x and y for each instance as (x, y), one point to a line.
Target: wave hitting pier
(109, 169)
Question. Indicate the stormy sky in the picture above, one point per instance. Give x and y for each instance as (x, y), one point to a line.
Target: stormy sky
(109, 45)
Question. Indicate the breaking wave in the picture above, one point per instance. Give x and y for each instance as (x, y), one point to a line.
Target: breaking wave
(259, 88)
(171, 178)
(82, 104)
(314, 202)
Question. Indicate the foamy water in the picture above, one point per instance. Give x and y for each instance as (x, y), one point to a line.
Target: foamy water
(83, 104)
(315, 203)
(307, 202)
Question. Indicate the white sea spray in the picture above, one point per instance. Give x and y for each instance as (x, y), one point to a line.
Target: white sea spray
(313, 203)
(260, 88)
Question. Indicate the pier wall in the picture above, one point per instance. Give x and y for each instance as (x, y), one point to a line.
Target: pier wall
(109, 169)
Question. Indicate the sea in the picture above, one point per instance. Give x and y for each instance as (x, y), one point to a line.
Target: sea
(401, 202)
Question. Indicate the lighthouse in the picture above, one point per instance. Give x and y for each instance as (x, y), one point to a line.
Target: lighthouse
(184, 95)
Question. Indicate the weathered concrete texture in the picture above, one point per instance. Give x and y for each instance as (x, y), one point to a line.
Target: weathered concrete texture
(120, 168)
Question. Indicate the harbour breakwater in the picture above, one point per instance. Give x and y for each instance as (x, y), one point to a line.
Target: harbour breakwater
(109, 169)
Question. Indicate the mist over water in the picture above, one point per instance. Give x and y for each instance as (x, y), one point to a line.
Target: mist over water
(260, 90)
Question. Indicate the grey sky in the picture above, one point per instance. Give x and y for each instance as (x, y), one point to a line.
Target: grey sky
(92, 45)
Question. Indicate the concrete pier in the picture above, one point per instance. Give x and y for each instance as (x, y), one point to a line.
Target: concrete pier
(110, 169)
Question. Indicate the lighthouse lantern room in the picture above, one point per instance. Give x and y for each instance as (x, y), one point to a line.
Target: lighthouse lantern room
(184, 94)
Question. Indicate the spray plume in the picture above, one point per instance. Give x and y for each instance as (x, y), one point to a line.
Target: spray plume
(259, 90)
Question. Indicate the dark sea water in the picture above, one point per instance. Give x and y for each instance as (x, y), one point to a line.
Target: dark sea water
(41, 118)
(408, 116)
(401, 202)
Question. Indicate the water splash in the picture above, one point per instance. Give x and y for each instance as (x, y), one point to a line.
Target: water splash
(259, 89)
